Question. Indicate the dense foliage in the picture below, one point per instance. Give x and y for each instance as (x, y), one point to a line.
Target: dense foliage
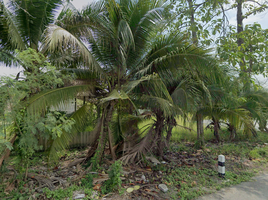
(133, 61)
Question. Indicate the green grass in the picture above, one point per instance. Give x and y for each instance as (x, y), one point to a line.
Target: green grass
(240, 149)
(180, 134)
(191, 182)
(258, 153)
(66, 193)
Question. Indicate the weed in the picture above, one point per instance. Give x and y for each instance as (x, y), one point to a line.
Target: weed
(114, 182)
(60, 193)
(87, 182)
(234, 179)
(258, 153)
(238, 149)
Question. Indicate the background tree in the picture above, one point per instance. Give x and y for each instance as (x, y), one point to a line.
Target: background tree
(196, 19)
(248, 58)
(201, 20)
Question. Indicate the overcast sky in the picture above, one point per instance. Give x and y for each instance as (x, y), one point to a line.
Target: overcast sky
(260, 18)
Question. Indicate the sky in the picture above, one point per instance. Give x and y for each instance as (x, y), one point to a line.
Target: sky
(79, 4)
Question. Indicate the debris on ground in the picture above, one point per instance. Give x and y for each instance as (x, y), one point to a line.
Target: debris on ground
(148, 181)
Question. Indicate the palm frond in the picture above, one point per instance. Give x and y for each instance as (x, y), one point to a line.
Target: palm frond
(125, 126)
(14, 34)
(82, 74)
(8, 58)
(135, 153)
(59, 39)
(40, 102)
(118, 95)
(150, 84)
(115, 95)
(62, 142)
(67, 7)
(158, 103)
(32, 18)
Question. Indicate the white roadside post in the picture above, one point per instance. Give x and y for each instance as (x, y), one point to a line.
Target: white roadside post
(221, 165)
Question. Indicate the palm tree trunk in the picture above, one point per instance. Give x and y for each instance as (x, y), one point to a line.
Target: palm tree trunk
(216, 129)
(100, 141)
(232, 132)
(104, 133)
(170, 123)
(111, 144)
(159, 125)
(200, 129)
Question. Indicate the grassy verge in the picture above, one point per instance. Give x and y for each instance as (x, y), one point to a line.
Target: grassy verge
(189, 181)
(188, 172)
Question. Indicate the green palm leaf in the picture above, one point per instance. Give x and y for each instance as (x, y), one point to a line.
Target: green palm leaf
(56, 35)
(62, 142)
(40, 102)
(13, 29)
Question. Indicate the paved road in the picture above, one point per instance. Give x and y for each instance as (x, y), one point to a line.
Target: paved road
(255, 190)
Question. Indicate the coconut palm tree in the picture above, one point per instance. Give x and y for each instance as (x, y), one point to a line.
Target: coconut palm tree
(235, 108)
(122, 42)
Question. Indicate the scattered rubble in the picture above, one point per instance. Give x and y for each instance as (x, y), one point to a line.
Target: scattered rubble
(153, 160)
(163, 187)
(78, 195)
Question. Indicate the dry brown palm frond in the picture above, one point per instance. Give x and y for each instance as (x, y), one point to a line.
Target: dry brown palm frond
(139, 149)
(97, 131)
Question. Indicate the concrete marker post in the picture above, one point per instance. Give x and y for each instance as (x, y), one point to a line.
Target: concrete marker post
(221, 166)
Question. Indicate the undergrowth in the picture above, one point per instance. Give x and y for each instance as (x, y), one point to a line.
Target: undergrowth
(184, 182)
(114, 182)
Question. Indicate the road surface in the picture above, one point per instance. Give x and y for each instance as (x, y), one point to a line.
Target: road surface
(254, 190)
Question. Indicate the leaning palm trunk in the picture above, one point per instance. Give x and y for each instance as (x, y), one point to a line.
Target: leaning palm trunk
(100, 141)
(7, 151)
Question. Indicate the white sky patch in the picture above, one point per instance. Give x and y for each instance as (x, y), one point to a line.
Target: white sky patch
(79, 4)
(8, 71)
(260, 18)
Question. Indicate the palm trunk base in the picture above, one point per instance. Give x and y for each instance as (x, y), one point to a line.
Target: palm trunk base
(7, 151)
